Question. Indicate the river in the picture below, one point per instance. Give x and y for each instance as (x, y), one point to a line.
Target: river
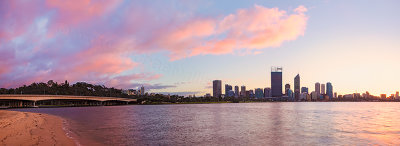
(274, 123)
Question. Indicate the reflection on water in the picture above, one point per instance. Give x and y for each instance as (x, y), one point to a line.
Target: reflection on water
(322, 123)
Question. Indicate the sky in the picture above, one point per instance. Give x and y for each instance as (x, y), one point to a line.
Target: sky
(180, 46)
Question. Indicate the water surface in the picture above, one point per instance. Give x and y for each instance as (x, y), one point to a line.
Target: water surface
(285, 123)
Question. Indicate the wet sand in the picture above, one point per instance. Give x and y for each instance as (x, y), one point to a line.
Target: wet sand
(24, 128)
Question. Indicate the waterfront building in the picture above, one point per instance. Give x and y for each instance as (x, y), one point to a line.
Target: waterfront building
(317, 88)
(297, 88)
(314, 95)
(276, 81)
(304, 90)
(308, 97)
(267, 92)
(243, 91)
(303, 96)
(207, 95)
(251, 94)
(329, 90)
(323, 89)
(237, 91)
(290, 94)
(397, 95)
(287, 87)
(383, 96)
(335, 95)
(230, 94)
(217, 90)
(227, 89)
(142, 90)
(259, 93)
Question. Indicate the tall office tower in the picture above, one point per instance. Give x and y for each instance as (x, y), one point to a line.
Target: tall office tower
(217, 88)
(243, 91)
(237, 91)
(267, 92)
(317, 89)
(287, 87)
(329, 90)
(322, 89)
(259, 93)
(297, 87)
(304, 90)
(276, 81)
(142, 90)
(227, 89)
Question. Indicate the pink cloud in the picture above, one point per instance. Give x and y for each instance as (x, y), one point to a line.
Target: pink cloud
(99, 38)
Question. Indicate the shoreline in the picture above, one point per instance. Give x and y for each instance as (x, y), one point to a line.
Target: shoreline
(25, 128)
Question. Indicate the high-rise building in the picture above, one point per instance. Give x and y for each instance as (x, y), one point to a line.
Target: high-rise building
(397, 95)
(251, 93)
(217, 88)
(335, 95)
(323, 89)
(237, 91)
(243, 91)
(227, 89)
(276, 81)
(142, 90)
(297, 88)
(267, 92)
(317, 89)
(259, 93)
(304, 90)
(329, 90)
(287, 87)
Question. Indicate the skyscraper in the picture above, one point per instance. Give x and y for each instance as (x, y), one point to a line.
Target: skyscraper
(243, 91)
(323, 89)
(297, 88)
(227, 89)
(276, 81)
(329, 90)
(317, 89)
(237, 91)
(217, 88)
(287, 87)
(142, 90)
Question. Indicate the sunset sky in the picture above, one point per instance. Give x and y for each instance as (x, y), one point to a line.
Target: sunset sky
(181, 46)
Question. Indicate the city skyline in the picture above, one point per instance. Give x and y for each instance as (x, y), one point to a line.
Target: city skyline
(180, 47)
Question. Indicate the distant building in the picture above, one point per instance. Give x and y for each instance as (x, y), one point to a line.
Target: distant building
(329, 90)
(317, 89)
(287, 87)
(335, 95)
(230, 94)
(303, 96)
(397, 95)
(142, 91)
(267, 92)
(237, 91)
(297, 88)
(314, 95)
(290, 94)
(276, 81)
(217, 90)
(207, 95)
(304, 90)
(322, 89)
(251, 94)
(227, 89)
(259, 93)
(383, 96)
(243, 91)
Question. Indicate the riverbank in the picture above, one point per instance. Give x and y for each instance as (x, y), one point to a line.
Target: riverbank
(24, 128)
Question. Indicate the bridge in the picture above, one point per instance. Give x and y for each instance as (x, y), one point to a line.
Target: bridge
(14, 100)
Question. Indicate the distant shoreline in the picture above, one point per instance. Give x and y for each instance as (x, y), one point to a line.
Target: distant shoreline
(25, 128)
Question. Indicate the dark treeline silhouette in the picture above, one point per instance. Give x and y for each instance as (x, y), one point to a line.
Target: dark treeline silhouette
(77, 89)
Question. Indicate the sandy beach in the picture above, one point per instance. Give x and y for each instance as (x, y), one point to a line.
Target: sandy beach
(24, 128)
